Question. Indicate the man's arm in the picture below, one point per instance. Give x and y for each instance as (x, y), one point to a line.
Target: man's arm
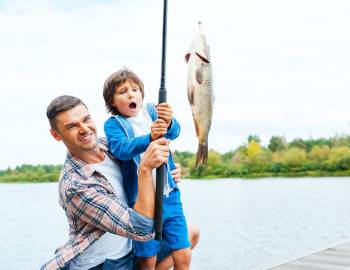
(94, 206)
(156, 155)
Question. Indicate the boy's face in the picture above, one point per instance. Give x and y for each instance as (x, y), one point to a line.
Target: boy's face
(127, 99)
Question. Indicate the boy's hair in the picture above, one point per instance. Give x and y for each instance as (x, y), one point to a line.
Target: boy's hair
(113, 81)
(61, 104)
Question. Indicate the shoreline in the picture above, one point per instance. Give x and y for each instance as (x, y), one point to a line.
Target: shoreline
(256, 176)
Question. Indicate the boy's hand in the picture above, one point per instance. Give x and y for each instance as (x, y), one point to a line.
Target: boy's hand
(158, 129)
(176, 173)
(165, 112)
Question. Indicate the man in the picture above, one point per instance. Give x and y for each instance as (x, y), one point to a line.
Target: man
(91, 194)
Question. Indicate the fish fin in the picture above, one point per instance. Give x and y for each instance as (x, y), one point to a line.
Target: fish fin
(187, 57)
(190, 94)
(196, 126)
(202, 154)
(199, 74)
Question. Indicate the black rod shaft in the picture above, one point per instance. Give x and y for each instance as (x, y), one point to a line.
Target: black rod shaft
(161, 171)
(164, 39)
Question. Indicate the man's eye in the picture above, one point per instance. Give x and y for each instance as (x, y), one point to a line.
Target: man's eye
(135, 89)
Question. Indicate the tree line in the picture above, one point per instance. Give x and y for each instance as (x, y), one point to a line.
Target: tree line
(30, 173)
(310, 157)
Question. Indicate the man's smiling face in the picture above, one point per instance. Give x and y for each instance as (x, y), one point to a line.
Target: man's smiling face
(76, 129)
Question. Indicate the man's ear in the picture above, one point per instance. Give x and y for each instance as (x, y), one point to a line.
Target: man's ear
(55, 134)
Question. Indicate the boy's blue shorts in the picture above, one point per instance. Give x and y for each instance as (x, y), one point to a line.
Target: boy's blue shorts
(175, 234)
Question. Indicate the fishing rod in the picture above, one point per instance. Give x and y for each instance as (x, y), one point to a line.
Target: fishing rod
(161, 171)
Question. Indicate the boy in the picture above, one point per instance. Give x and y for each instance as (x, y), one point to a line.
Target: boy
(129, 131)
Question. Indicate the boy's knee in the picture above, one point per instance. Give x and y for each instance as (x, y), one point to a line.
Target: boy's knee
(187, 256)
(183, 257)
(148, 263)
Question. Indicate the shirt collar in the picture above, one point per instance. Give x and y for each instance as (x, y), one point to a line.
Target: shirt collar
(81, 167)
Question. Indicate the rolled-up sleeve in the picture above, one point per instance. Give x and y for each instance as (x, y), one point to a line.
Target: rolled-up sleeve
(101, 210)
(141, 223)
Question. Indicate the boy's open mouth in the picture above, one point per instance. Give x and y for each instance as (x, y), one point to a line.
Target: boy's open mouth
(132, 105)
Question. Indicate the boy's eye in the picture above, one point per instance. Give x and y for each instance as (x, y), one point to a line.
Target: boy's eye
(135, 89)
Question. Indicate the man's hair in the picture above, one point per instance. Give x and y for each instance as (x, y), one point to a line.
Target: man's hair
(115, 80)
(61, 104)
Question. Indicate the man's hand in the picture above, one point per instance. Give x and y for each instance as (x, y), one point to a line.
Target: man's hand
(158, 129)
(165, 112)
(177, 173)
(156, 154)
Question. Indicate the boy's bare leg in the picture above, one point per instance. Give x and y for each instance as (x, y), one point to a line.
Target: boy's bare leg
(182, 258)
(148, 263)
(167, 263)
(193, 234)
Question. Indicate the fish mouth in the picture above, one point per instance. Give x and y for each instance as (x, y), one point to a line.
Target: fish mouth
(132, 105)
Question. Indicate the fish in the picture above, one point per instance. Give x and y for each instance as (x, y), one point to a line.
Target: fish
(200, 93)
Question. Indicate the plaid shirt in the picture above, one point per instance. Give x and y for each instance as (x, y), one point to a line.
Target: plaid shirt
(92, 208)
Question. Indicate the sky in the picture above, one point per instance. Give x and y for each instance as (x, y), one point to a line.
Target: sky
(279, 67)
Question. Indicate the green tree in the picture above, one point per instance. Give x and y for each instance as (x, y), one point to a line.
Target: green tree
(258, 161)
(340, 140)
(277, 143)
(319, 153)
(213, 167)
(339, 158)
(253, 148)
(227, 157)
(298, 143)
(295, 157)
(253, 138)
(183, 157)
(239, 154)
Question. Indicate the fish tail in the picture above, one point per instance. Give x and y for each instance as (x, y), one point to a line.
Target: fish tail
(202, 154)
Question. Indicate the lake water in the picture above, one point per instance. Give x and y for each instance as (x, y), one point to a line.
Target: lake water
(245, 224)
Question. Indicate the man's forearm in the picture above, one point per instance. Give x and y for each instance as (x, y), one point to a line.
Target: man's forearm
(146, 195)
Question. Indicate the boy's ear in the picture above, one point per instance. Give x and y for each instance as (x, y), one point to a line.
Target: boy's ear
(55, 134)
